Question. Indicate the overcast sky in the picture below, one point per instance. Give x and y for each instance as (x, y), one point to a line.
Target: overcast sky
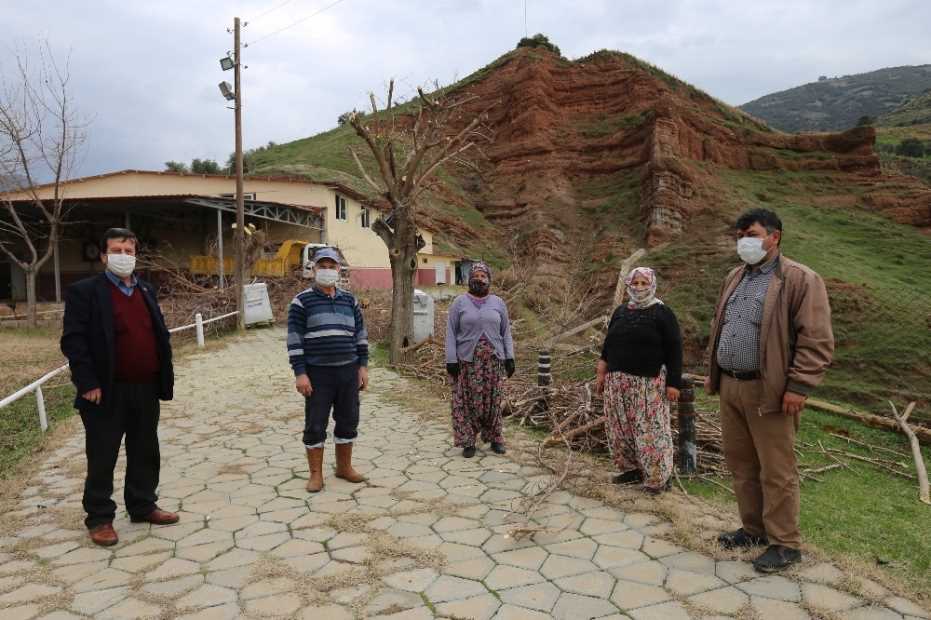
(146, 71)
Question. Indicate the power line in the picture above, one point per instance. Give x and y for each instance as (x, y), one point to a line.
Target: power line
(295, 23)
(263, 14)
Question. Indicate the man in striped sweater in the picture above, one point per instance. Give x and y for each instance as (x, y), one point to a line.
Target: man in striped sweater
(328, 349)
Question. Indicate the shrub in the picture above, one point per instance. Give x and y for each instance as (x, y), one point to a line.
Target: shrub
(539, 40)
(911, 147)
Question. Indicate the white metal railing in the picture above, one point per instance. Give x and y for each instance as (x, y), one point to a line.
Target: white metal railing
(36, 386)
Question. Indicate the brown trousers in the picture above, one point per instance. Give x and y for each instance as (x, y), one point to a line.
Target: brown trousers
(759, 450)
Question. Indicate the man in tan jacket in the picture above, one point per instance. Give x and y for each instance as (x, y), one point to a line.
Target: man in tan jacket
(770, 344)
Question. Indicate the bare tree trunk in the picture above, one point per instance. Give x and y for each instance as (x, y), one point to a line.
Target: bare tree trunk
(402, 306)
(32, 316)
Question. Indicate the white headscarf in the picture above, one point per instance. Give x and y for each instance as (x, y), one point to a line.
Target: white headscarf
(641, 299)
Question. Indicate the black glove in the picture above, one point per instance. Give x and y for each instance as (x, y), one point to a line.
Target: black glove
(509, 367)
(453, 369)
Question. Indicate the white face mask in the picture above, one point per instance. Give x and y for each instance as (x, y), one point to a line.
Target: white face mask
(121, 265)
(750, 250)
(327, 277)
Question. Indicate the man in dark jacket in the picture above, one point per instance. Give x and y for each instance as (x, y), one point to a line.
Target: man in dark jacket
(118, 348)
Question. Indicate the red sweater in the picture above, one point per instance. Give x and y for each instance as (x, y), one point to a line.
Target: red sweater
(135, 347)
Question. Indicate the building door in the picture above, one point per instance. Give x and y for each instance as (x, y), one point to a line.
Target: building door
(440, 273)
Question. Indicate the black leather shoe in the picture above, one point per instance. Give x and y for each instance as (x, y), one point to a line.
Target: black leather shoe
(628, 477)
(741, 539)
(777, 558)
(468, 452)
(497, 447)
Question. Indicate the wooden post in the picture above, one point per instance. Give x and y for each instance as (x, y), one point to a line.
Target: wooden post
(685, 420)
(544, 376)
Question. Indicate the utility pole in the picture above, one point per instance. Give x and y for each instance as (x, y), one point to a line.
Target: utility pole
(240, 236)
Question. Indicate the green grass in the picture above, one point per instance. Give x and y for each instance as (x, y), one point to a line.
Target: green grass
(865, 513)
(20, 434)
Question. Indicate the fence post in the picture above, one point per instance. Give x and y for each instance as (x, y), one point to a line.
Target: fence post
(544, 377)
(685, 420)
(40, 405)
(199, 328)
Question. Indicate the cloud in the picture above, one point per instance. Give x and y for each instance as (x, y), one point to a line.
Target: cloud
(147, 72)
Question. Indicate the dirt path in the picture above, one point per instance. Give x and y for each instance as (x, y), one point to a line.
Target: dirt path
(425, 538)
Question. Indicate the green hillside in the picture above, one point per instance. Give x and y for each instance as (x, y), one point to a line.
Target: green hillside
(835, 104)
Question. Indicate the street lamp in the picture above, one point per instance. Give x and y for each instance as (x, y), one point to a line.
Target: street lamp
(227, 91)
(226, 63)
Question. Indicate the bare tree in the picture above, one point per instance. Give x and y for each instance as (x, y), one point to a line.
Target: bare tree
(410, 144)
(40, 136)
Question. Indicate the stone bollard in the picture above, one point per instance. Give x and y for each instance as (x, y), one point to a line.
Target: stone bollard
(685, 419)
(544, 377)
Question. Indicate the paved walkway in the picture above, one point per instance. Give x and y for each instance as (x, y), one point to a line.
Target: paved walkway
(427, 538)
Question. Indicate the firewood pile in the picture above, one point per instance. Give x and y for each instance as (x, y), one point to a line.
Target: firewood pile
(573, 412)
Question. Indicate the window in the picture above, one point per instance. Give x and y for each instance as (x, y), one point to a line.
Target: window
(365, 217)
(341, 208)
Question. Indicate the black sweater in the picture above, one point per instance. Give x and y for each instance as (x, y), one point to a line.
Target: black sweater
(639, 342)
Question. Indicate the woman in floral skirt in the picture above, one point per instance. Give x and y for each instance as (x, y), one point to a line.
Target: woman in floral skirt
(640, 372)
(479, 351)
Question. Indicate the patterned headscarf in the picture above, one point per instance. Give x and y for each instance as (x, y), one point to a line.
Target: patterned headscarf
(480, 266)
(637, 299)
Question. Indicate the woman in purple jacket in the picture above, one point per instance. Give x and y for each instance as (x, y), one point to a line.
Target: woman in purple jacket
(479, 351)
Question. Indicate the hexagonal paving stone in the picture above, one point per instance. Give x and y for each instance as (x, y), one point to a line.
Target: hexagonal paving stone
(91, 603)
(664, 611)
(283, 605)
(611, 557)
(208, 595)
(828, 599)
(690, 561)
(727, 600)
(531, 558)
(771, 609)
(447, 588)
(735, 572)
(557, 566)
(104, 580)
(330, 612)
(393, 601)
(775, 587)
(131, 608)
(512, 612)
(631, 595)
(174, 587)
(504, 576)
(28, 593)
(599, 584)
(650, 573)
(475, 569)
(583, 548)
(541, 596)
(907, 607)
(572, 606)
(481, 607)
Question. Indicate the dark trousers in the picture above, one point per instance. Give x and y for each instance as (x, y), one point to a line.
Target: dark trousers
(336, 388)
(133, 411)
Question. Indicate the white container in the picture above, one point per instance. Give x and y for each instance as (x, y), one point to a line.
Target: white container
(258, 306)
(423, 316)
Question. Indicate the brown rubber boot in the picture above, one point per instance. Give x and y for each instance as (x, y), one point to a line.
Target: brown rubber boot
(315, 467)
(344, 468)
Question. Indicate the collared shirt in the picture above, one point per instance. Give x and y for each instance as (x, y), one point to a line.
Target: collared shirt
(118, 283)
(739, 344)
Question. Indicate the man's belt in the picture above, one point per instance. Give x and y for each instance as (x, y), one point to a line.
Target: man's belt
(742, 375)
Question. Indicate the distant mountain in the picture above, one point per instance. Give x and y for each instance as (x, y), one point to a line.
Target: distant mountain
(836, 104)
